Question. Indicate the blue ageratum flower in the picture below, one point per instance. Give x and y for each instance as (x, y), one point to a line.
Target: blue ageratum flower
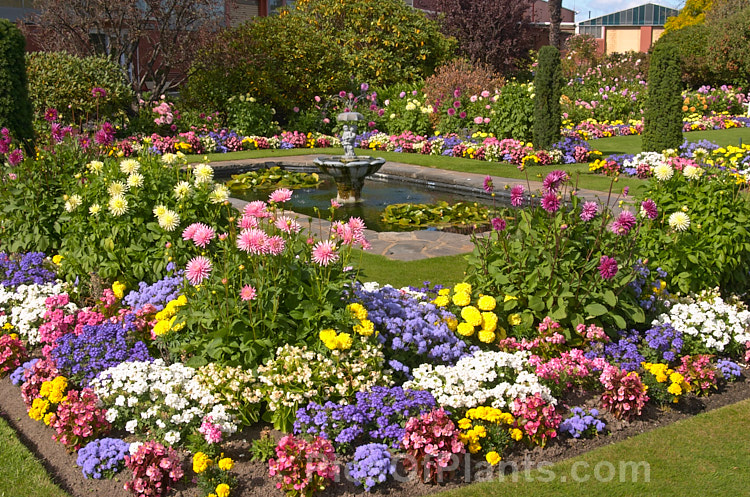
(26, 269)
(581, 423)
(372, 465)
(103, 458)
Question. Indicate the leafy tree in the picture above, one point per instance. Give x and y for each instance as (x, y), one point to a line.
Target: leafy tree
(548, 88)
(15, 107)
(729, 46)
(153, 40)
(496, 32)
(694, 12)
(662, 119)
(691, 43)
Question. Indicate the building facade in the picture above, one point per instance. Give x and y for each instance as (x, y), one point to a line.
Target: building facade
(634, 29)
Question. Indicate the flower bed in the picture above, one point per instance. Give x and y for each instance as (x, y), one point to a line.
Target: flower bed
(254, 317)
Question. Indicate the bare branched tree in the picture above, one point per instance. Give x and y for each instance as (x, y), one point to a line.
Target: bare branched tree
(154, 41)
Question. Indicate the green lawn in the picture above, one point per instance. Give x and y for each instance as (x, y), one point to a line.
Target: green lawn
(632, 144)
(708, 454)
(20, 472)
(447, 270)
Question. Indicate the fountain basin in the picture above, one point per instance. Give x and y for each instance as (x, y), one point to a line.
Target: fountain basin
(349, 174)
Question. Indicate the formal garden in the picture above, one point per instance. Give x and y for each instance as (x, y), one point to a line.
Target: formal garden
(157, 337)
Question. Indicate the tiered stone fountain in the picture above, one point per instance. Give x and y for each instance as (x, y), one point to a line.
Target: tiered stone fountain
(348, 170)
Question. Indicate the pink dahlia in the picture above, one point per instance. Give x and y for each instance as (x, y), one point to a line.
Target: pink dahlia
(253, 241)
(187, 233)
(516, 196)
(198, 269)
(589, 211)
(498, 224)
(280, 196)
(288, 225)
(248, 293)
(607, 267)
(275, 245)
(553, 180)
(203, 235)
(324, 253)
(247, 222)
(550, 202)
(488, 186)
(625, 222)
(257, 209)
(649, 209)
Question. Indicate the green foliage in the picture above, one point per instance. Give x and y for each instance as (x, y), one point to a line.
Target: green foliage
(691, 43)
(263, 448)
(404, 111)
(715, 249)
(548, 88)
(662, 118)
(439, 215)
(273, 177)
(693, 13)
(15, 107)
(728, 48)
(315, 49)
(550, 263)
(62, 81)
(513, 112)
(247, 116)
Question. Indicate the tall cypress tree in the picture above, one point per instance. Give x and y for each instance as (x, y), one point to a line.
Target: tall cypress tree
(662, 118)
(15, 106)
(548, 89)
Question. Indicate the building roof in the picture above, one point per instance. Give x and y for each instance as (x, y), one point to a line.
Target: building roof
(644, 15)
(14, 13)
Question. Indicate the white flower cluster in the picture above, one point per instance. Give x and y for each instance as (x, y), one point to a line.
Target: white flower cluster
(166, 400)
(298, 375)
(24, 307)
(485, 378)
(711, 320)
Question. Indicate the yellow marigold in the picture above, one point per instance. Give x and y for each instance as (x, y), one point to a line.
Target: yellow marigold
(57, 259)
(472, 315)
(222, 490)
(328, 337)
(514, 319)
(358, 310)
(509, 297)
(226, 464)
(344, 341)
(474, 447)
(486, 303)
(54, 390)
(493, 458)
(461, 299)
(441, 301)
(161, 327)
(489, 321)
(465, 329)
(462, 288)
(516, 434)
(452, 323)
(486, 336)
(48, 418)
(464, 423)
(675, 389)
(444, 292)
(201, 462)
(38, 409)
(480, 431)
(365, 328)
(118, 289)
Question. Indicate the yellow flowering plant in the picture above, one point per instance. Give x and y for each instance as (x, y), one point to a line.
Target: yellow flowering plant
(51, 393)
(487, 431)
(213, 475)
(477, 323)
(665, 385)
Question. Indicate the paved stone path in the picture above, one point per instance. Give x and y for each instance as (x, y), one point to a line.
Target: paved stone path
(412, 245)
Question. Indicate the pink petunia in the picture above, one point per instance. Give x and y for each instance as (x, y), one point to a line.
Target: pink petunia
(198, 269)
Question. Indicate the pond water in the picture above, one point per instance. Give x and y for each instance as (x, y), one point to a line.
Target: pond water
(376, 196)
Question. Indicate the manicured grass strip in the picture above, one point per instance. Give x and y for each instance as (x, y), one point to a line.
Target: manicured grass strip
(708, 454)
(632, 144)
(20, 472)
(447, 270)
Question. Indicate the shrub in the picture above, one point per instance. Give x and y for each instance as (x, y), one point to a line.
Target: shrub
(547, 85)
(691, 43)
(662, 118)
(514, 112)
(460, 74)
(58, 80)
(728, 48)
(247, 116)
(15, 107)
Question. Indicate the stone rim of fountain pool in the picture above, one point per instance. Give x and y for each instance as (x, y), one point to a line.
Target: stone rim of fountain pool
(410, 245)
